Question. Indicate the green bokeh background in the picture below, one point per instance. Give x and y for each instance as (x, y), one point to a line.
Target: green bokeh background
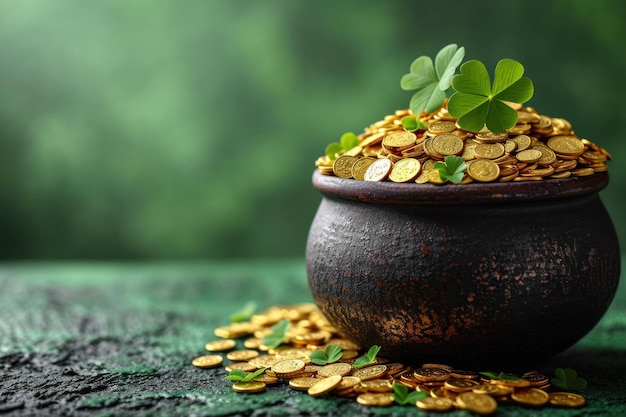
(188, 129)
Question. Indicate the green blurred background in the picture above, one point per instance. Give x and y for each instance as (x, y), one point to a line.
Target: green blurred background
(174, 129)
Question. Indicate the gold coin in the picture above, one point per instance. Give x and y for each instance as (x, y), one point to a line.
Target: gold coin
(447, 144)
(547, 155)
(441, 126)
(375, 399)
(242, 366)
(249, 387)
(491, 137)
(342, 167)
(370, 372)
(348, 382)
(303, 383)
(207, 361)
(220, 345)
(566, 145)
(338, 368)
(566, 399)
(379, 170)
(397, 141)
(435, 404)
(531, 396)
(360, 167)
(405, 170)
(489, 150)
(322, 386)
(581, 172)
(242, 355)
(515, 383)
(432, 374)
(460, 385)
(288, 367)
(528, 156)
(477, 403)
(252, 343)
(433, 177)
(484, 170)
(492, 389)
(375, 385)
(509, 146)
(266, 379)
(523, 142)
(536, 378)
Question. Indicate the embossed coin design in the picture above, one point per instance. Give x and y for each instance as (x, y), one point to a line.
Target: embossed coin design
(379, 170)
(483, 170)
(405, 170)
(207, 361)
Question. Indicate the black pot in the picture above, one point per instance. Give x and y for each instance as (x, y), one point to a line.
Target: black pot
(474, 274)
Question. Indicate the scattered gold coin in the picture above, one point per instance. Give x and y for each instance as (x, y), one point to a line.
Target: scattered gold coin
(242, 355)
(435, 404)
(220, 345)
(324, 385)
(531, 396)
(373, 399)
(477, 403)
(207, 361)
(249, 387)
(566, 399)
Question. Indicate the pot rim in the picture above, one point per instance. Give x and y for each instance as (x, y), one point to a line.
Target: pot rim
(430, 194)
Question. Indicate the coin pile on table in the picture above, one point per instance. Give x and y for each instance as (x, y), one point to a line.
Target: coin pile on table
(537, 148)
(447, 388)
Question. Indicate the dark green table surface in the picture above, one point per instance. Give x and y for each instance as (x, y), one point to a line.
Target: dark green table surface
(117, 339)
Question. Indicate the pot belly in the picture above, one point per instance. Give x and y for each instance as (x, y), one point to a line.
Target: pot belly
(466, 283)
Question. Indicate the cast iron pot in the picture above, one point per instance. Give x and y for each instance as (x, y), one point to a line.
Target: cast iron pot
(474, 274)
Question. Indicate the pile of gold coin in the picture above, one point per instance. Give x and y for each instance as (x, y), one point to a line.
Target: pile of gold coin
(289, 364)
(538, 147)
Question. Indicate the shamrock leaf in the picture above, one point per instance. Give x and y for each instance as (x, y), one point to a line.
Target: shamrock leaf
(332, 354)
(451, 169)
(476, 102)
(501, 375)
(412, 123)
(244, 314)
(430, 80)
(368, 358)
(567, 379)
(241, 376)
(347, 141)
(278, 335)
(402, 396)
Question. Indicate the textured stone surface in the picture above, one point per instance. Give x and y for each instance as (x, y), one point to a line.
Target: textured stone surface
(111, 339)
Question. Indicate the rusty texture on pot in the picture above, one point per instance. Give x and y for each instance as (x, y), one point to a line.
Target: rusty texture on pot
(474, 274)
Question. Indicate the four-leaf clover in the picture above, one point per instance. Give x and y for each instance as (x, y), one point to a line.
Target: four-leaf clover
(477, 103)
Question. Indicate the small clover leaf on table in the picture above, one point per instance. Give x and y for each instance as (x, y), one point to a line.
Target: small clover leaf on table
(477, 103)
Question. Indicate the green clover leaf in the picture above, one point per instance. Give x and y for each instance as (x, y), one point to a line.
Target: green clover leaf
(430, 80)
(402, 396)
(477, 103)
(347, 141)
(411, 123)
(241, 376)
(368, 358)
(244, 314)
(278, 335)
(451, 169)
(330, 355)
(567, 379)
